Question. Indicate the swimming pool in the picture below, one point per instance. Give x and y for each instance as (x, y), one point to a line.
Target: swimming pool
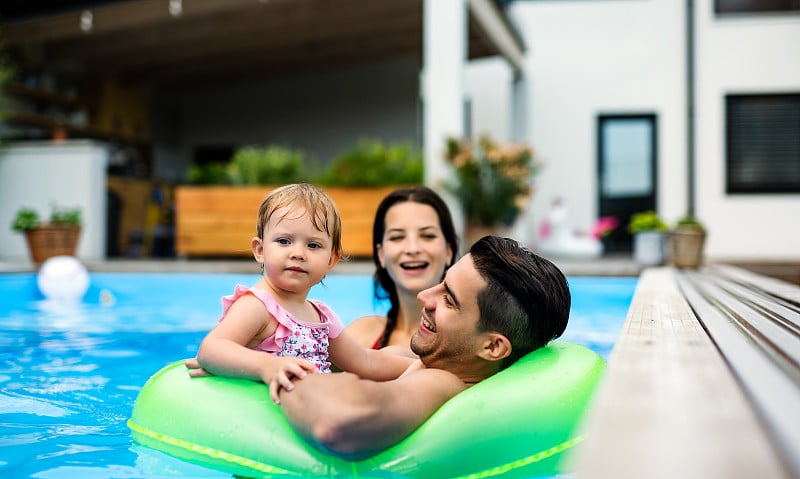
(69, 374)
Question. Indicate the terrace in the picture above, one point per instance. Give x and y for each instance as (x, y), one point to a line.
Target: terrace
(704, 379)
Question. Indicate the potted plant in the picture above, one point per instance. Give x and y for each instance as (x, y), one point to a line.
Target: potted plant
(372, 163)
(687, 239)
(57, 237)
(648, 230)
(493, 182)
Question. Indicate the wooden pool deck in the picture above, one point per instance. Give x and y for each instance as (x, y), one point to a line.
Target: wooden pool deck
(702, 383)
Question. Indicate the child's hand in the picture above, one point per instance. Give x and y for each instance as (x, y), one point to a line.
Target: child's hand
(195, 370)
(291, 369)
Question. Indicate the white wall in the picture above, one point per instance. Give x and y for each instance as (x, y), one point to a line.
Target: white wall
(589, 58)
(488, 87)
(738, 54)
(39, 174)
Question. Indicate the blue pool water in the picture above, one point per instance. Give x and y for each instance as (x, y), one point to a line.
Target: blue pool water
(69, 373)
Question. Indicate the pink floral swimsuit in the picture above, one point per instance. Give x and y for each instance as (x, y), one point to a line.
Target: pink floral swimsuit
(293, 337)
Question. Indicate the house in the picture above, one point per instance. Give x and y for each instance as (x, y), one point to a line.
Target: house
(679, 83)
(591, 85)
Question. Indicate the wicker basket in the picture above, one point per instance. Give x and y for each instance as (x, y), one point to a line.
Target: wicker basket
(687, 247)
(49, 240)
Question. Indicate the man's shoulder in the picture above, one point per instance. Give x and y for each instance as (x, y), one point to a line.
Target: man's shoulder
(437, 381)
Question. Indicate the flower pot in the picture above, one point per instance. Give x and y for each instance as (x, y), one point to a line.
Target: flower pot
(687, 247)
(648, 248)
(49, 240)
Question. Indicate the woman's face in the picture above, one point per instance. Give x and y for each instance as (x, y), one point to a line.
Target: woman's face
(414, 250)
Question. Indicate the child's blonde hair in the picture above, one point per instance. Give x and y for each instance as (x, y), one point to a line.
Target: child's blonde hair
(318, 205)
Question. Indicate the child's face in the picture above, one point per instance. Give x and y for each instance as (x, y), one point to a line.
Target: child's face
(295, 255)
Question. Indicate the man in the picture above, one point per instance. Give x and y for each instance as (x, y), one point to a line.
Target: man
(496, 304)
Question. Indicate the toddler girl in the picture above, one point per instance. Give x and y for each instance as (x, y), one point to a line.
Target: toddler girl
(298, 242)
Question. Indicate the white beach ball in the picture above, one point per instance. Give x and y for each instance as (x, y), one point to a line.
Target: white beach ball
(63, 278)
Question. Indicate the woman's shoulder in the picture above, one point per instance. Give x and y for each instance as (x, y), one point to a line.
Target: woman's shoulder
(367, 329)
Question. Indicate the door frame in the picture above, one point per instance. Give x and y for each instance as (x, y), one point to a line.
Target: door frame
(620, 240)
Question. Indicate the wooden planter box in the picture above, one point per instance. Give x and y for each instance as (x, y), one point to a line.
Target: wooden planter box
(221, 220)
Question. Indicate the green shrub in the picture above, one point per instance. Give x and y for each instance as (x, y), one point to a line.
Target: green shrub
(214, 173)
(646, 221)
(65, 216)
(372, 163)
(368, 163)
(253, 166)
(690, 221)
(28, 219)
(271, 165)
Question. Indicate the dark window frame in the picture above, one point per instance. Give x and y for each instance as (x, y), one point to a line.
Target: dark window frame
(739, 155)
(623, 206)
(724, 7)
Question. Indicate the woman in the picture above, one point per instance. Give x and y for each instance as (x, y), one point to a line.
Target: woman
(414, 242)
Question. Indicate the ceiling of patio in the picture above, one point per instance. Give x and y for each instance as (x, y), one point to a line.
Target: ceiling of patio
(140, 43)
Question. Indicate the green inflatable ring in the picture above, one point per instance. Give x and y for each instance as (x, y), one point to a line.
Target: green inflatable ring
(517, 423)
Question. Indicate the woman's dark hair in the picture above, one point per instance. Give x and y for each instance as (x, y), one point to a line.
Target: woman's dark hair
(527, 298)
(383, 285)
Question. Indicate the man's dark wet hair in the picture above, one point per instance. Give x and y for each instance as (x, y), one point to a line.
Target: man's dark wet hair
(527, 297)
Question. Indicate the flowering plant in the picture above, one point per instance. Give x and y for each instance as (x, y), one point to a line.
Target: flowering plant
(493, 181)
(604, 226)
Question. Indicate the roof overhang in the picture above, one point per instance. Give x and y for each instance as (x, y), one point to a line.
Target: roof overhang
(142, 43)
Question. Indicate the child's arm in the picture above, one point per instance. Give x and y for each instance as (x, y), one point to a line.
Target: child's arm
(350, 356)
(227, 349)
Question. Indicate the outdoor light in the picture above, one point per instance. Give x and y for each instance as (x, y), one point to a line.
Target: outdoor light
(175, 8)
(86, 22)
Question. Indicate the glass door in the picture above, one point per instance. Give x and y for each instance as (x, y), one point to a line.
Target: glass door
(627, 172)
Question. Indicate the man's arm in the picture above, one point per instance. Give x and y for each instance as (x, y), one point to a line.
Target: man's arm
(356, 418)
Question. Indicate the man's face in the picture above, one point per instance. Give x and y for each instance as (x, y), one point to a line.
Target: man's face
(447, 329)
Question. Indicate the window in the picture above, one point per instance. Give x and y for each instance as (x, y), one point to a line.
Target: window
(627, 150)
(763, 143)
(755, 6)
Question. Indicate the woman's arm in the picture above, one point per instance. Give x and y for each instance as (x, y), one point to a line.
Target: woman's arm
(356, 418)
